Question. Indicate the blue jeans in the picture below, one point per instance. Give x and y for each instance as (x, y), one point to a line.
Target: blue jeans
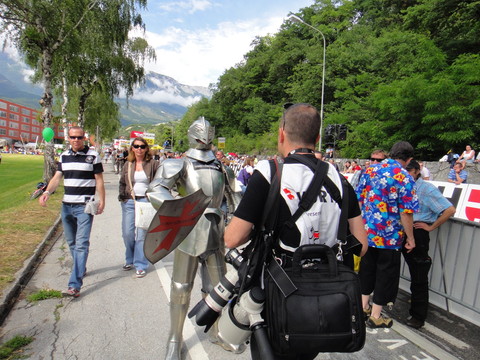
(133, 237)
(76, 227)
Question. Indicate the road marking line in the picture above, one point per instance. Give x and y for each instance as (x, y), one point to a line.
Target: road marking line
(194, 345)
(446, 336)
(395, 343)
(423, 343)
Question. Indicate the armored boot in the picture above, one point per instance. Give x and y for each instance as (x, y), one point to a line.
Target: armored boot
(179, 301)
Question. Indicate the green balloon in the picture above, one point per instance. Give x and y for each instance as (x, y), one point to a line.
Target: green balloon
(48, 134)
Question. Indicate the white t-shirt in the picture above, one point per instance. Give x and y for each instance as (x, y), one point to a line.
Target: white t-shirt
(425, 172)
(141, 183)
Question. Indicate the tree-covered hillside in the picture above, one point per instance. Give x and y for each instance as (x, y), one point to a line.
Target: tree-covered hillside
(395, 70)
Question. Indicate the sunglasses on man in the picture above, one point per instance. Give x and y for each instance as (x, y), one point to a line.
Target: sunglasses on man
(375, 159)
(76, 137)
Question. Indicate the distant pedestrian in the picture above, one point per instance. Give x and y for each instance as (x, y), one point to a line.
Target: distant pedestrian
(319, 155)
(468, 156)
(424, 172)
(355, 167)
(457, 175)
(245, 173)
(82, 170)
(329, 152)
(388, 199)
(332, 161)
(435, 209)
(377, 156)
(132, 187)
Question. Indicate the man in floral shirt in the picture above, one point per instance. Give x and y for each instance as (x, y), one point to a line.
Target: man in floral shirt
(388, 199)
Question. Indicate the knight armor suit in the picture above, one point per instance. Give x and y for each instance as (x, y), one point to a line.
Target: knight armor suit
(204, 244)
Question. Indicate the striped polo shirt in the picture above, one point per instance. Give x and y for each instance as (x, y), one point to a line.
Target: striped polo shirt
(79, 169)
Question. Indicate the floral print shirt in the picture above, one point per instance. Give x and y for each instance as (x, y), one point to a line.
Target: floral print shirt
(385, 191)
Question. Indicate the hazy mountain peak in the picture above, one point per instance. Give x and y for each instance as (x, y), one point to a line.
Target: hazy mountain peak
(160, 99)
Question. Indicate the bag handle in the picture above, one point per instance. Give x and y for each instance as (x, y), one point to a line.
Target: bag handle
(311, 252)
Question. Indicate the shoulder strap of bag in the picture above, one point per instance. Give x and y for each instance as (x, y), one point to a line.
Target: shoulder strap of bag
(343, 225)
(310, 196)
(334, 193)
(270, 212)
(129, 177)
(258, 252)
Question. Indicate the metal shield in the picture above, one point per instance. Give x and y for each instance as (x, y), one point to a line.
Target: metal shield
(172, 223)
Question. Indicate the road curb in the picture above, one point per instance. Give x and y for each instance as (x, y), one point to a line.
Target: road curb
(23, 275)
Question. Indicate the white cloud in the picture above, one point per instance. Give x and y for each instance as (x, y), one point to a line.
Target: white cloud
(160, 96)
(200, 57)
(14, 55)
(191, 6)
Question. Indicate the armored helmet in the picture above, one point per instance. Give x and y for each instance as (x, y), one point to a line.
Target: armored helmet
(201, 134)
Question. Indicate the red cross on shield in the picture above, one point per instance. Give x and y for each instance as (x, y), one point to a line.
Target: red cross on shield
(173, 221)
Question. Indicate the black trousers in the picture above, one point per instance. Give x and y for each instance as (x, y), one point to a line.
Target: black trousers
(419, 264)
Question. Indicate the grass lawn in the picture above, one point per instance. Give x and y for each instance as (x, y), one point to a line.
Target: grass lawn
(23, 222)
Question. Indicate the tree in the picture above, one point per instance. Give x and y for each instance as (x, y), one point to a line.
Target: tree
(47, 31)
(454, 26)
(395, 70)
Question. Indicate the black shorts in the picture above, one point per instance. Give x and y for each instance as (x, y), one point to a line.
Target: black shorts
(380, 274)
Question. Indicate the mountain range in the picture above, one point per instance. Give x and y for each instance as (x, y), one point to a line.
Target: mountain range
(160, 99)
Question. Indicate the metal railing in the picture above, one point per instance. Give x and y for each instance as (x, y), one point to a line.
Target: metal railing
(455, 274)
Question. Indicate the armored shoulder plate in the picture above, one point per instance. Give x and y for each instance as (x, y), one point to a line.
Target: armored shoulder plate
(201, 155)
(230, 177)
(164, 181)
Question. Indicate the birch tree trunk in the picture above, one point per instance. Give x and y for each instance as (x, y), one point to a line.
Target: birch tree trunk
(47, 115)
(65, 121)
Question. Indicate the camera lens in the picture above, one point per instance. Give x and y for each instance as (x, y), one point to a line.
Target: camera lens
(234, 258)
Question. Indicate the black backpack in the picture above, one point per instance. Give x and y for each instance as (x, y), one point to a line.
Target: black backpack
(310, 309)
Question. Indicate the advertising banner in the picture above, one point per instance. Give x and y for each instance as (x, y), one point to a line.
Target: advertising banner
(465, 198)
(149, 138)
(221, 143)
(134, 134)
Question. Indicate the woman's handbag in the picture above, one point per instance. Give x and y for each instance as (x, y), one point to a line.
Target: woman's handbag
(144, 211)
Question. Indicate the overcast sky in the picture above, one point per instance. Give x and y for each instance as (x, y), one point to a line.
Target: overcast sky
(197, 40)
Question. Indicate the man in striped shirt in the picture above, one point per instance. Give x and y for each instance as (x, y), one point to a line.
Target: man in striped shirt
(83, 181)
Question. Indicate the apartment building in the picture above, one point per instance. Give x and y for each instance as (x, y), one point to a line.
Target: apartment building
(19, 124)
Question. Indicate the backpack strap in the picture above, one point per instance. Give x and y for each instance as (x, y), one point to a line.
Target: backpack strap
(269, 217)
(334, 193)
(259, 251)
(310, 196)
(343, 223)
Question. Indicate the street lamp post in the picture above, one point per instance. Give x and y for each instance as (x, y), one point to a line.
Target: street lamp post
(297, 19)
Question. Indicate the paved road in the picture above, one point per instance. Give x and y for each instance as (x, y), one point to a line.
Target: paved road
(119, 316)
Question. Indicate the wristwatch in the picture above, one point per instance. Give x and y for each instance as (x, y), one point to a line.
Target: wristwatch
(46, 192)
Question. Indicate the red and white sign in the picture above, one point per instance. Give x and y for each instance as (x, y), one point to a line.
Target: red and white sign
(465, 198)
(134, 134)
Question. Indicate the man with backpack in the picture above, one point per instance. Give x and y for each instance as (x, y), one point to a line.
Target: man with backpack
(297, 137)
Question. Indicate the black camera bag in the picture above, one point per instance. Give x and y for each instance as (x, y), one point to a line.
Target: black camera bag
(323, 314)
